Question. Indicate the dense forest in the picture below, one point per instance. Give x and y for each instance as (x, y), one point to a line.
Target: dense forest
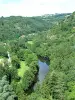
(13, 27)
(24, 41)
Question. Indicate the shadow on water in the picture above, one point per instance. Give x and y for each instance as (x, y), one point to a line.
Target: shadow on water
(44, 59)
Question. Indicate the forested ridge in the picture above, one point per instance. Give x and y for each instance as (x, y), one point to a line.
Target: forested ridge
(15, 26)
(54, 40)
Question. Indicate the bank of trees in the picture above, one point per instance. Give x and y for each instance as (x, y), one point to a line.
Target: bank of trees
(6, 91)
(14, 27)
(58, 44)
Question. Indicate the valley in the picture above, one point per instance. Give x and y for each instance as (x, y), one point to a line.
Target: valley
(37, 52)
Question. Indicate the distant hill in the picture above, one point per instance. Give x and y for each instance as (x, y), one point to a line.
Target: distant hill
(15, 26)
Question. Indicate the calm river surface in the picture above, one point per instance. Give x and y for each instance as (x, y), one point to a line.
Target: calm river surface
(43, 70)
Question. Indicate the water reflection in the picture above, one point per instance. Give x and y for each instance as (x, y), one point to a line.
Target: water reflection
(43, 70)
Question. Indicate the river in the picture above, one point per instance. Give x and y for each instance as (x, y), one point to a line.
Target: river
(43, 70)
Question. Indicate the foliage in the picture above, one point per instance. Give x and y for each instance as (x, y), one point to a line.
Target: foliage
(35, 36)
(6, 91)
(15, 61)
(22, 69)
(14, 27)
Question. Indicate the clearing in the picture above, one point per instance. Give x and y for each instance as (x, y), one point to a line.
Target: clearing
(22, 69)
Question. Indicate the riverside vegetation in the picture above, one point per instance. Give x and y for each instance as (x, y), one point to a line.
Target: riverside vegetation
(49, 38)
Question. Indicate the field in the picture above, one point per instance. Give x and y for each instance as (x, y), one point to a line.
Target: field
(22, 69)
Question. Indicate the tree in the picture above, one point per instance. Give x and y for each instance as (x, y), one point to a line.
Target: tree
(6, 91)
(56, 85)
(4, 68)
(21, 54)
(70, 92)
(15, 61)
(28, 80)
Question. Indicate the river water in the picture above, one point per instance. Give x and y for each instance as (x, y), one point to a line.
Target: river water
(43, 70)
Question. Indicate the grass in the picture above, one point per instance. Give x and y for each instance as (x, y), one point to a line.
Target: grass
(1, 57)
(22, 69)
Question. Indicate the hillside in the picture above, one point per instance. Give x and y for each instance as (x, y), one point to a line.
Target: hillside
(53, 44)
(59, 45)
(15, 26)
